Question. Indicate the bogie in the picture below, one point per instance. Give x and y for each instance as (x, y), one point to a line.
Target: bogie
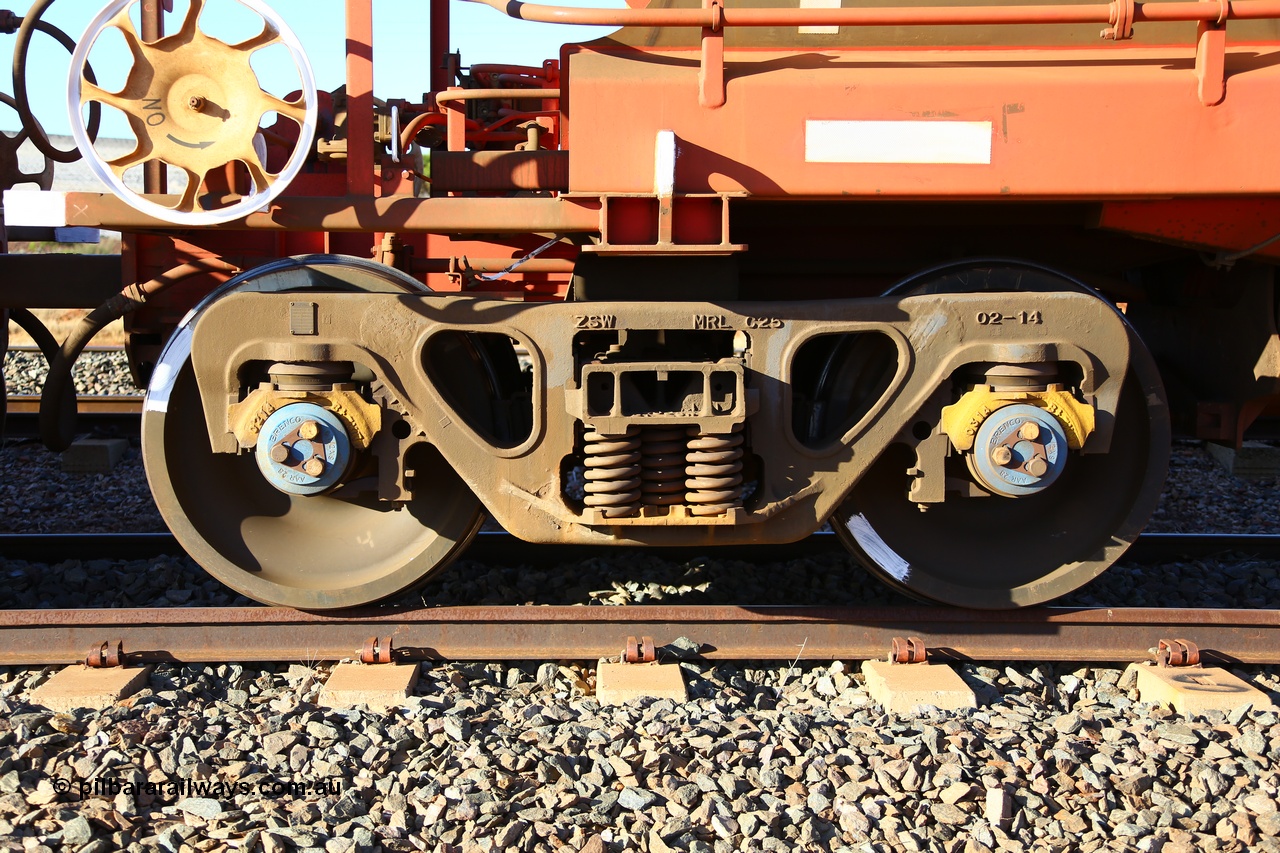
(659, 391)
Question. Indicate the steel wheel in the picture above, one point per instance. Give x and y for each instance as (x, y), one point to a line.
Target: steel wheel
(311, 552)
(995, 552)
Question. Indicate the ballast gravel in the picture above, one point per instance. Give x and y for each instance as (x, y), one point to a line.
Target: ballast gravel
(104, 372)
(491, 757)
(501, 756)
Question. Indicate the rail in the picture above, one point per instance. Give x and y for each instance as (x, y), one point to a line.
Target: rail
(199, 635)
(23, 404)
(120, 415)
(30, 637)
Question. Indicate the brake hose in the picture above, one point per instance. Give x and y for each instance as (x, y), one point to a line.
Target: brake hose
(48, 345)
(57, 399)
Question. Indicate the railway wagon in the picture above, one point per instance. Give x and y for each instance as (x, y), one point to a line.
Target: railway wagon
(943, 277)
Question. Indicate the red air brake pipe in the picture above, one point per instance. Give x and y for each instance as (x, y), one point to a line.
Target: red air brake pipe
(490, 94)
(424, 119)
(718, 17)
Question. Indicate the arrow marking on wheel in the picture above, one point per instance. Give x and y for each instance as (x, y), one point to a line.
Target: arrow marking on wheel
(173, 138)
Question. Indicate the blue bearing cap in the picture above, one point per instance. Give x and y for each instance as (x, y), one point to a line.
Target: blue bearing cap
(297, 465)
(1012, 479)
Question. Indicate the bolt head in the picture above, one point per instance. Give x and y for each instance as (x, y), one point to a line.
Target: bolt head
(280, 453)
(309, 430)
(314, 466)
(1037, 466)
(1001, 455)
(1029, 431)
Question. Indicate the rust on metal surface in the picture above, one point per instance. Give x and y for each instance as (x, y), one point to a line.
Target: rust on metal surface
(1030, 119)
(467, 266)
(108, 653)
(711, 65)
(439, 35)
(377, 650)
(555, 633)
(639, 651)
(90, 405)
(154, 176)
(1177, 653)
(908, 650)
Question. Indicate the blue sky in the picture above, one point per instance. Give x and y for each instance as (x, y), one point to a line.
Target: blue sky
(400, 35)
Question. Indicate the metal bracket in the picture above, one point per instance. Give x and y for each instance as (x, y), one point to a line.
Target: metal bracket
(1122, 14)
(1211, 58)
(639, 651)
(711, 70)
(669, 208)
(108, 653)
(908, 650)
(1174, 653)
(377, 650)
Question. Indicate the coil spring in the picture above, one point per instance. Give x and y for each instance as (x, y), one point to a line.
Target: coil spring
(612, 473)
(714, 472)
(663, 460)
